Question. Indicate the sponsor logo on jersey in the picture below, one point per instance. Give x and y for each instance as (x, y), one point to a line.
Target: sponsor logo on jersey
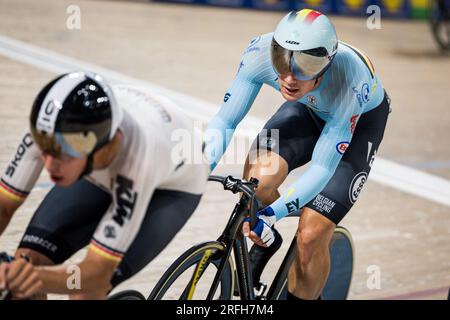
(353, 121)
(254, 41)
(226, 97)
(241, 65)
(41, 242)
(312, 101)
(323, 204)
(125, 200)
(26, 142)
(293, 206)
(371, 159)
(342, 146)
(356, 186)
(110, 232)
(365, 92)
(252, 49)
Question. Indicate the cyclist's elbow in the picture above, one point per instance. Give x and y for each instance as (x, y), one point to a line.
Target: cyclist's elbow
(7, 207)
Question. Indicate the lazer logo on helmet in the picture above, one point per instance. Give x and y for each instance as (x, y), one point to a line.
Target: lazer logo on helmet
(125, 200)
(292, 42)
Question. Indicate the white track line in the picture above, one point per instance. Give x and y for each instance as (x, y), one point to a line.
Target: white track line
(384, 171)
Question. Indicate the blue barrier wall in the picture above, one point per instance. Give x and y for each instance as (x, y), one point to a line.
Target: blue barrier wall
(389, 8)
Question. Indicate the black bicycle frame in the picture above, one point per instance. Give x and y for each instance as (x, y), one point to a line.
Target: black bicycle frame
(233, 239)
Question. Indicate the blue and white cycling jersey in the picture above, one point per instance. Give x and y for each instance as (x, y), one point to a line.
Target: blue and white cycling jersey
(348, 89)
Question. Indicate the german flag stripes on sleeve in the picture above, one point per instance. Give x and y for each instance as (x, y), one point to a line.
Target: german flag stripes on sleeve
(105, 251)
(11, 192)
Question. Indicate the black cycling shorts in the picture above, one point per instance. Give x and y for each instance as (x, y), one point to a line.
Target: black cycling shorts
(299, 129)
(68, 216)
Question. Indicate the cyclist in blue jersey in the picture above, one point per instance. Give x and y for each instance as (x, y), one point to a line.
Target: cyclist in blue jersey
(334, 117)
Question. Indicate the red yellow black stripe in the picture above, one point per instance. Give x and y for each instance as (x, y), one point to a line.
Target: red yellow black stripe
(104, 251)
(308, 15)
(363, 57)
(11, 192)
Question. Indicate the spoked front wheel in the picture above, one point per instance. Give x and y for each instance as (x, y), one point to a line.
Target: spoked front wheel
(190, 277)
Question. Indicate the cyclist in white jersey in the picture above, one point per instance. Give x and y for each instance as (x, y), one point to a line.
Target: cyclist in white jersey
(120, 187)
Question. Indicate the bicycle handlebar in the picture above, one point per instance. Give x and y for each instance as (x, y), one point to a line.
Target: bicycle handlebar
(236, 185)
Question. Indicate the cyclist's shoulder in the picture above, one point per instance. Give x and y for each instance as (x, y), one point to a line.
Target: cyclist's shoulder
(352, 61)
(255, 64)
(259, 41)
(148, 108)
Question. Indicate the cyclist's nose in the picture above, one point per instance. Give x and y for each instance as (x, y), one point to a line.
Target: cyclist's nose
(289, 78)
(51, 163)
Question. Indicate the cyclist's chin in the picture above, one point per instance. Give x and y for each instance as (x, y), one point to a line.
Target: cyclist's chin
(63, 181)
(292, 94)
(291, 98)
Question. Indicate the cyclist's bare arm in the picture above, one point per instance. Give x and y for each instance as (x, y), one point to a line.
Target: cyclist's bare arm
(24, 280)
(19, 177)
(7, 209)
(95, 273)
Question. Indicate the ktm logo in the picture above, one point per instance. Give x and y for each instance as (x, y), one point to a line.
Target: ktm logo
(125, 200)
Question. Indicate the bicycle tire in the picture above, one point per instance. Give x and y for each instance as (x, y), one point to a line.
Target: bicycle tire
(127, 295)
(213, 253)
(440, 26)
(339, 280)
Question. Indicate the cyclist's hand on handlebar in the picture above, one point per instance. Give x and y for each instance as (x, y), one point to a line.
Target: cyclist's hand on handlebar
(262, 234)
(21, 278)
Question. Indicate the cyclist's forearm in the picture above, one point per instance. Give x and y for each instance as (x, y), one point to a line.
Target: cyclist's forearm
(5, 217)
(72, 279)
(302, 191)
(217, 137)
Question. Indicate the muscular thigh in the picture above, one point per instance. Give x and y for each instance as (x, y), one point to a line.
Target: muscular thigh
(344, 188)
(292, 133)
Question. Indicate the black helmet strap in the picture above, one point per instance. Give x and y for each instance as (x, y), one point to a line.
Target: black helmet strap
(89, 166)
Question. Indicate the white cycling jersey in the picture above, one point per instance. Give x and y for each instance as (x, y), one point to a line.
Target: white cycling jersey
(160, 149)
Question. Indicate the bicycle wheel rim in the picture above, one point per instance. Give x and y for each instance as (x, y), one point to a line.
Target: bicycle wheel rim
(190, 259)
